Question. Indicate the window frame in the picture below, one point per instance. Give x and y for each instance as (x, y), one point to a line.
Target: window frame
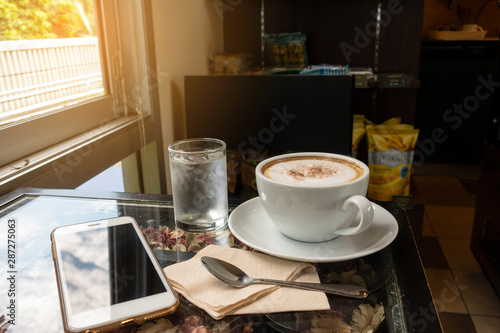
(32, 150)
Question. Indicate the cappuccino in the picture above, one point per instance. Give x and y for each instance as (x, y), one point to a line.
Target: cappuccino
(312, 170)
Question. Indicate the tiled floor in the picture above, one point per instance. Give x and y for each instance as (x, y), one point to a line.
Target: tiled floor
(463, 296)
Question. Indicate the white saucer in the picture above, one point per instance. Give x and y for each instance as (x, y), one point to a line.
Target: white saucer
(251, 225)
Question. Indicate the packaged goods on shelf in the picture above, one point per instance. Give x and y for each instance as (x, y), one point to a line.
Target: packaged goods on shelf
(285, 50)
(229, 63)
(363, 76)
(325, 70)
(390, 155)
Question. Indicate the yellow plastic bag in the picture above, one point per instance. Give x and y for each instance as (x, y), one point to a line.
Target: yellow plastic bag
(390, 121)
(358, 131)
(390, 154)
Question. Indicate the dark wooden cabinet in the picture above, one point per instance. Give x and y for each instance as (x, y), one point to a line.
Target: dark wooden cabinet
(455, 97)
(485, 242)
(272, 112)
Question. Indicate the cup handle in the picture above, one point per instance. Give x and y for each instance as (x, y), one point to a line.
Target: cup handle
(478, 28)
(365, 208)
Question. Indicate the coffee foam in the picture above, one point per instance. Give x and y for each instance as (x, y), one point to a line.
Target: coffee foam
(312, 171)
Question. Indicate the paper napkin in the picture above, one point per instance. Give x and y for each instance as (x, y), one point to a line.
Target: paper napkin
(218, 299)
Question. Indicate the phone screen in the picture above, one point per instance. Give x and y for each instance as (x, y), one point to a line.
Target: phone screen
(106, 266)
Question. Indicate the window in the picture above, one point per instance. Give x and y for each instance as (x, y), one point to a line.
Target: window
(49, 56)
(71, 107)
(38, 76)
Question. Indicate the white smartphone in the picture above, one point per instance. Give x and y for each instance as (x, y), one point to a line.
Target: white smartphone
(108, 276)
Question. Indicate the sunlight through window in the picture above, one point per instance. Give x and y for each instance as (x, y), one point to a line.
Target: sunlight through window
(49, 56)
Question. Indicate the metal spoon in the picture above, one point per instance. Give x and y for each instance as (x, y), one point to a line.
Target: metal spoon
(234, 276)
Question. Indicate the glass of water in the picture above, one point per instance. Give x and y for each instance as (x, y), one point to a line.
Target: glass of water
(199, 184)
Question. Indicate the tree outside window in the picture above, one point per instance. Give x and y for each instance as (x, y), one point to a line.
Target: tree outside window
(43, 19)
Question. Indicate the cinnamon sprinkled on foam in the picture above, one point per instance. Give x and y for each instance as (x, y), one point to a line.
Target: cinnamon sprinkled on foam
(312, 171)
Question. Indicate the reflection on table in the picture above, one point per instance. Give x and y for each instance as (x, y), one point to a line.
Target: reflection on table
(393, 275)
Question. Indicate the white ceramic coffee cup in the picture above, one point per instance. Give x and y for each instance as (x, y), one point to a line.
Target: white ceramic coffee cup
(316, 213)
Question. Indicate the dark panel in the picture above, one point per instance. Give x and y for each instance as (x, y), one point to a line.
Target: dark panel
(395, 102)
(331, 27)
(302, 113)
(400, 35)
(362, 101)
(242, 27)
(454, 97)
(485, 240)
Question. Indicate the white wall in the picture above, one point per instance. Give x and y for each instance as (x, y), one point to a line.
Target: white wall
(186, 32)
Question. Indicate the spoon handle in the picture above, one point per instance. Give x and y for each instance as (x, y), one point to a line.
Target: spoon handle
(336, 289)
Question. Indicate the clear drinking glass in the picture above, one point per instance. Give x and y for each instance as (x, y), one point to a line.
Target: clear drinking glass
(199, 184)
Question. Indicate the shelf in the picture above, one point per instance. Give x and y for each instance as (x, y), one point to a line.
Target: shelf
(361, 81)
(341, 32)
(374, 81)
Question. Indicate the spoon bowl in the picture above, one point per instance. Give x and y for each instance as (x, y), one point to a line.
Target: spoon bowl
(235, 277)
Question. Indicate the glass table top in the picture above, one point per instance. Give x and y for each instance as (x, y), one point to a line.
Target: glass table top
(34, 216)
